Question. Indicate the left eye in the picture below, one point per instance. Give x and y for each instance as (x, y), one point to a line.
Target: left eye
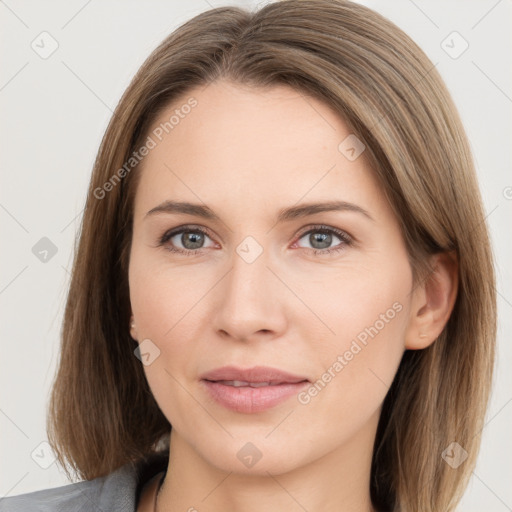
(320, 239)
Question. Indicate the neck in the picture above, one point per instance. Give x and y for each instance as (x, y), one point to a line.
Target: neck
(338, 481)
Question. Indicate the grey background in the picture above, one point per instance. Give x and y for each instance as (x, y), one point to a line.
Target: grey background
(54, 113)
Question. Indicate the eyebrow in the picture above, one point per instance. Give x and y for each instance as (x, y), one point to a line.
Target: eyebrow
(285, 214)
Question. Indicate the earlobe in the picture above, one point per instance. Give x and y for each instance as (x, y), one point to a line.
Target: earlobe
(433, 301)
(133, 331)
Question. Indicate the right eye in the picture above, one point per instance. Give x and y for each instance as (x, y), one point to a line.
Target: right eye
(191, 240)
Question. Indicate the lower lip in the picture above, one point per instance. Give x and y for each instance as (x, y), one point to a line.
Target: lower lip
(250, 400)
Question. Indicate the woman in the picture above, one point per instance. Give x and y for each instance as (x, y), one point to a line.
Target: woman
(284, 257)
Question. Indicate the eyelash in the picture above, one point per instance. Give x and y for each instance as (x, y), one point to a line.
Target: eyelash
(345, 238)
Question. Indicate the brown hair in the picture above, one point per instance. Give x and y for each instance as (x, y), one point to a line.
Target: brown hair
(102, 413)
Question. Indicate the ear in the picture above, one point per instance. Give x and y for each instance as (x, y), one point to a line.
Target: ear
(432, 301)
(133, 330)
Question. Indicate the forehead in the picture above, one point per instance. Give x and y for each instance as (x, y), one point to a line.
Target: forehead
(252, 146)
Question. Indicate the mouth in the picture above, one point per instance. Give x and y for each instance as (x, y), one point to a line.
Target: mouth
(241, 383)
(251, 390)
(254, 375)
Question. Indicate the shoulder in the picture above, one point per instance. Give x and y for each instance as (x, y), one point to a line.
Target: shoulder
(116, 492)
(117, 488)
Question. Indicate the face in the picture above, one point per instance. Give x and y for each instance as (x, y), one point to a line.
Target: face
(322, 294)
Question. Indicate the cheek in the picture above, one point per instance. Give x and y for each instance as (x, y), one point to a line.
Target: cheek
(166, 302)
(161, 296)
(365, 314)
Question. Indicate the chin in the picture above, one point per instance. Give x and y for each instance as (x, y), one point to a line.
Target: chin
(255, 455)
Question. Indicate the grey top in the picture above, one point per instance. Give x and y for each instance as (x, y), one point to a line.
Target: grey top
(117, 492)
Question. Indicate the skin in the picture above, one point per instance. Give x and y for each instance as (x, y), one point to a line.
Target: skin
(247, 153)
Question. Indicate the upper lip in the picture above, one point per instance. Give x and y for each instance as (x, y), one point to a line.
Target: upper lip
(254, 374)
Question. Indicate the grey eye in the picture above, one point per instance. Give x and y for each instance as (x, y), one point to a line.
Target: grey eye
(319, 239)
(190, 240)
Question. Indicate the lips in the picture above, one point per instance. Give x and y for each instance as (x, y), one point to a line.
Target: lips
(255, 375)
(251, 390)
(241, 383)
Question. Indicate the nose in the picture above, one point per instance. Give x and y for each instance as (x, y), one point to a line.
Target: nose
(250, 300)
